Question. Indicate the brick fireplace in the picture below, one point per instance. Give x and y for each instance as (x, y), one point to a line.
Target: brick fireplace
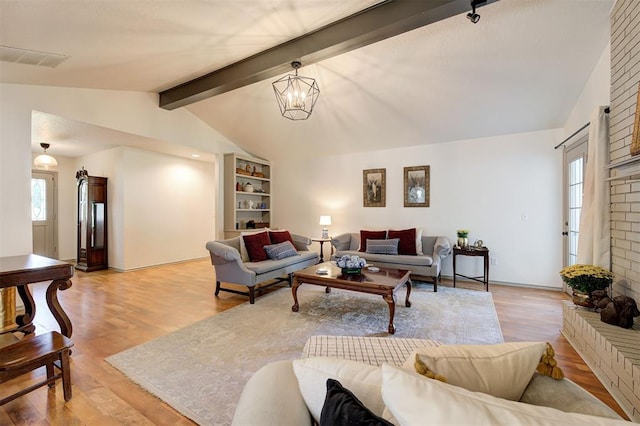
(611, 352)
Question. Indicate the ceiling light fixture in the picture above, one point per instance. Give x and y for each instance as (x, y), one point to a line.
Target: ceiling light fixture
(44, 161)
(296, 95)
(473, 16)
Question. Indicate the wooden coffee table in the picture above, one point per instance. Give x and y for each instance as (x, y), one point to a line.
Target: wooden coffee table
(384, 282)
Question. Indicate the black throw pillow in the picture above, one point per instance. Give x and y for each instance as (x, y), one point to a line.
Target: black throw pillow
(341, 407)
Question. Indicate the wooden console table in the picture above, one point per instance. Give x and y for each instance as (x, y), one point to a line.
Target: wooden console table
(484, 253)
(20, 271)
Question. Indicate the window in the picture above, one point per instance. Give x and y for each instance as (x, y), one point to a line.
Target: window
(38, 199)
(576, 178)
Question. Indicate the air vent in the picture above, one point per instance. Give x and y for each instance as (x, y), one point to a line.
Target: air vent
(30, 57)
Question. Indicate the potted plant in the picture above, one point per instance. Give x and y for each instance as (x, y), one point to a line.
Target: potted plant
(463, 240)
(583, 279)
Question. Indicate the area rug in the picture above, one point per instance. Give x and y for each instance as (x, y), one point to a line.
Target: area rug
(201, 369)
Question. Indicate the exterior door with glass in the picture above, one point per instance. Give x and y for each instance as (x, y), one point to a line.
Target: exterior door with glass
(44, 213)
(575, 159)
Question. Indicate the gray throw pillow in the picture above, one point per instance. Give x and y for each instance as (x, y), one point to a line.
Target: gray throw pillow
(383, 246)
(281, 250)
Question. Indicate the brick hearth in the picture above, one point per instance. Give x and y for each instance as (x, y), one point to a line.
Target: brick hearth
(613, 353)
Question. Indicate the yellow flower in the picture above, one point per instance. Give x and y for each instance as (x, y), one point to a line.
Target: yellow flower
(586, 278)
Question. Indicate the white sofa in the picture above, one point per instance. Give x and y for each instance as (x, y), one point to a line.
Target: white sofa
(428, 264)
(273, 395)
(230, 267)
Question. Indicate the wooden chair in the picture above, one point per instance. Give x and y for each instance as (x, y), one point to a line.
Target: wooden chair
(50, 350)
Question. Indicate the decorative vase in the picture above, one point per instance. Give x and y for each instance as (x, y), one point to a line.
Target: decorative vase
(248, 187)
(581, 298)
(463, 242)
(351, 271)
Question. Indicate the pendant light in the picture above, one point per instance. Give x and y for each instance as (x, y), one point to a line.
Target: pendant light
(296, 95)
(44, 161)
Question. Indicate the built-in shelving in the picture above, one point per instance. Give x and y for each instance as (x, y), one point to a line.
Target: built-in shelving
(247, 193)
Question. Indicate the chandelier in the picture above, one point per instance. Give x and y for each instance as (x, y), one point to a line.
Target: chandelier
(296, 95)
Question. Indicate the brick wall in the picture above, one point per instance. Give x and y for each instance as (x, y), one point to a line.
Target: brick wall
(625, 194)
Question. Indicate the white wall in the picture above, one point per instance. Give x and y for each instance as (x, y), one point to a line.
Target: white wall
(169, 208)
(109, 164)
(161, 208)
(596, 92)
(133, 112)
(506, 190)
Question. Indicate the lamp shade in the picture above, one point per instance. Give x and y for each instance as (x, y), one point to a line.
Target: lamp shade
(325, 220)
(44, 161)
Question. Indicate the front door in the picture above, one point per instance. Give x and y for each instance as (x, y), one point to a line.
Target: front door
(44, 211)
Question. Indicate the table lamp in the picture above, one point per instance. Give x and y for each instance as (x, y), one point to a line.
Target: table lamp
(325, 221)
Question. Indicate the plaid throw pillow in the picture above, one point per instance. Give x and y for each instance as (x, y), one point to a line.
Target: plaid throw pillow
(281, 250)
(383, 246)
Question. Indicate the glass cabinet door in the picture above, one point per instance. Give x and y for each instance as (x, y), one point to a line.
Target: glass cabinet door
(83, 213)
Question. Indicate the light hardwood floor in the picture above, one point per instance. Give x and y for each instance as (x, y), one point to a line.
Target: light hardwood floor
(113, 311)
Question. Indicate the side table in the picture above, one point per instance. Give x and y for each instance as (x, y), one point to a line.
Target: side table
(322, 241)
(484, 253)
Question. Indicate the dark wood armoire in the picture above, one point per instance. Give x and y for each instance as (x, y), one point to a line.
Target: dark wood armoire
(92, 222)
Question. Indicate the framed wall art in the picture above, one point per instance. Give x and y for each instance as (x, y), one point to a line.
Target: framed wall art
(416, 186)
(374, 191)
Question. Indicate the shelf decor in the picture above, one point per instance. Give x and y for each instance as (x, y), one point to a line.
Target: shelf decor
(247, 194)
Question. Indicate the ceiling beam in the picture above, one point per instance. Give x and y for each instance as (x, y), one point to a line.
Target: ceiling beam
(378, 22)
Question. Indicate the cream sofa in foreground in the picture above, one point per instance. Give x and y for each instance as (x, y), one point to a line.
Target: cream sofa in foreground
(291, 392)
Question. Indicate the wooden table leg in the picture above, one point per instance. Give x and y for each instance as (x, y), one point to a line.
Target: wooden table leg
(294, 291)
(407, 303)
(25, 321)
(54, 305)
(454, 270)
(391, 301)
(486, 271)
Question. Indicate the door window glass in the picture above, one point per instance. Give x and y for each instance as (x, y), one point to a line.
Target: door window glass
(38, 199)
(576, 168)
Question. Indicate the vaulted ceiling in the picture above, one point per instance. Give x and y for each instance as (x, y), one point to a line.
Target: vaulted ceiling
(521, 68)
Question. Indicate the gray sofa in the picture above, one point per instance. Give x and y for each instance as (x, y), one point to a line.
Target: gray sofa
(230, 268)
(428, 264)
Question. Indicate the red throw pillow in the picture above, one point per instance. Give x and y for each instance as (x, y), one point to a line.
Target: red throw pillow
(255, 246)
(370, 235)
(278, 237)
(407, 244)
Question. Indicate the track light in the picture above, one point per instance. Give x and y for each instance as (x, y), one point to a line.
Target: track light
(473, 16)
